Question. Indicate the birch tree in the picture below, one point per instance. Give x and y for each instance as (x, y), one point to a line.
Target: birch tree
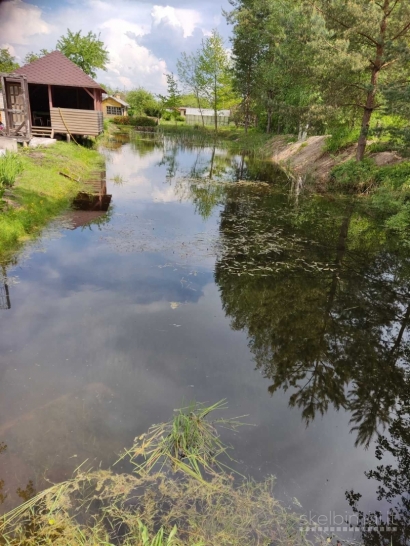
(213, 67)
(191, 78)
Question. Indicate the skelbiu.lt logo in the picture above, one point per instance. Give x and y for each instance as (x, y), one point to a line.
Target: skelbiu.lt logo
(334, 522)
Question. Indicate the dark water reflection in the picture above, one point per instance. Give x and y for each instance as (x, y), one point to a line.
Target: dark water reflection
(202, 285)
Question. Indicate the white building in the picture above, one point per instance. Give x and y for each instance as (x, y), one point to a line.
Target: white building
(194, 116)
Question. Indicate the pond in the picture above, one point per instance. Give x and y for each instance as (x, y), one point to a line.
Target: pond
(208, 279)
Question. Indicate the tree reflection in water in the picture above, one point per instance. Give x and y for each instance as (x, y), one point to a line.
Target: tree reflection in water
(25, 494)
(324, 295)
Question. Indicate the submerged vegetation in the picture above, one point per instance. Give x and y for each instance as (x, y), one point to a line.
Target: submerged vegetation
(155, 506)
(41, 191)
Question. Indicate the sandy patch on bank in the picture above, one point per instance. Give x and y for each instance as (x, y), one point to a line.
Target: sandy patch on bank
(309, 158)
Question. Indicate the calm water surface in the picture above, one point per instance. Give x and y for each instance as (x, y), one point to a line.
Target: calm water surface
(196, 286)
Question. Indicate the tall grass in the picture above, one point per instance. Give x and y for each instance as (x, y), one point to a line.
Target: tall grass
(10, 167)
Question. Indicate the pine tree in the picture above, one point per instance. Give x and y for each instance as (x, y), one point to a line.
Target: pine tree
(370, 43)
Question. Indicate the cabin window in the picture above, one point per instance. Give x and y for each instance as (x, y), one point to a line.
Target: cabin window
(114, 111)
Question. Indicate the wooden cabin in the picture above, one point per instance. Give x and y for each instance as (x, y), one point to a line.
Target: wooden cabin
(114, 106)
(51, 96)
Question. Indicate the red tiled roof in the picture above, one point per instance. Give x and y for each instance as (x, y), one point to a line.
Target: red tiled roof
(56, 69)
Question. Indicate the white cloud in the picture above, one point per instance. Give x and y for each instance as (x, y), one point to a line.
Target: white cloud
(187, 19)
(22, 23)
(143, 37)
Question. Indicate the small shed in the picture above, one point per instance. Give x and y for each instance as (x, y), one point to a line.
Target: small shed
(195, 116)
(49, 96)
(114, 106)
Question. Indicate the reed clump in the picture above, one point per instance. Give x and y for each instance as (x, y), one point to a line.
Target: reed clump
(162, 503)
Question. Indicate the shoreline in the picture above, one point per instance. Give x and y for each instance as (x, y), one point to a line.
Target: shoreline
(41, 193)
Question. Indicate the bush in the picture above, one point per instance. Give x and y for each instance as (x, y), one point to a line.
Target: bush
(166, 116)
(122, 120)
(340, 138)
(138, 121)
(10, 168)
(153, 111)
(144, 121)
(354, 176)
(394, 177)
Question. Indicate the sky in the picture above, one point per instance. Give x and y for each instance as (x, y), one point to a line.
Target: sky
(144, 37)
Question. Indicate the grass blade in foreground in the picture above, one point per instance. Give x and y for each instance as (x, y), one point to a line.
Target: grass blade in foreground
(190, 442)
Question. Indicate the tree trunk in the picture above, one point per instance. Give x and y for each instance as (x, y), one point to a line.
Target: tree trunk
(200, 109)
(268, 126)
(340, 253)
(371, 94)
(269, 110)
(246, 115)
(211, 170)
(215, 105)
(367, 114)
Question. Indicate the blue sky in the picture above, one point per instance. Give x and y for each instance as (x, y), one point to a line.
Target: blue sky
(144, 37)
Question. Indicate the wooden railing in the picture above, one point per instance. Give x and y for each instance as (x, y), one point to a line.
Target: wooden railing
(76, 122)
(41, 131)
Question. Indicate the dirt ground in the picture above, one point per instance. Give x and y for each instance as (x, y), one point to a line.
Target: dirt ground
(309, 158)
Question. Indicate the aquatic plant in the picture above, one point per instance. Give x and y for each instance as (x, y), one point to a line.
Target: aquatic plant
(189, 442)
(154, 508)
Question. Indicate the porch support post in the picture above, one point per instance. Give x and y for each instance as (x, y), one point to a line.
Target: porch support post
(50, 98)
(50, 102)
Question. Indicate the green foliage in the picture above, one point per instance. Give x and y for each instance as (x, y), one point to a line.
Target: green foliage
(7, 62)
(41, 192)
(190, 442)
(159, 539)
(142, 102)
(166, 116)
(10, 167)
(320, 66)
(122, 120)
(172, 100)
(354, 176)
(365, 175)
(88, 51)
(190, 101)
(192, 79)
(139, 121)
(213, 67)
(144, 121)
(31, 56)
(341, 137)
(394, 177)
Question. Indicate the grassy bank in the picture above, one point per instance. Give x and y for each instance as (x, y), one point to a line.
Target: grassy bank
(252, 142)
(41, 192)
